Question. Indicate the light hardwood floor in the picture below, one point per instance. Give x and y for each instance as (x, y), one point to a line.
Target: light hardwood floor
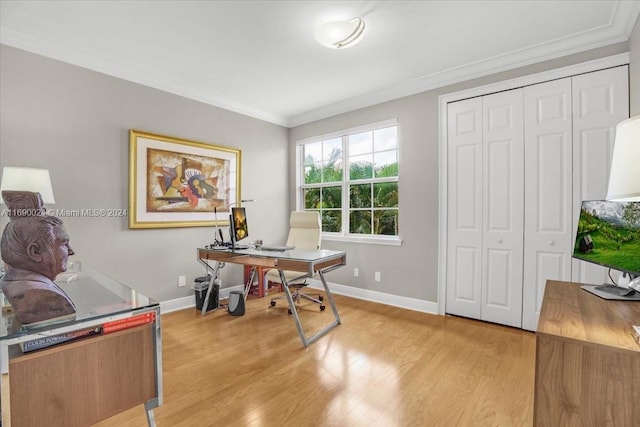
(383, 366)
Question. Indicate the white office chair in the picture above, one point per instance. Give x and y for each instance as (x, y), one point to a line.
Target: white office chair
(304, 233)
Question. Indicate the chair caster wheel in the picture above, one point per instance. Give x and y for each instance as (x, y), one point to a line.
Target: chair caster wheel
(273, 303)
(289, 311)
(322, 307)
(320, 298)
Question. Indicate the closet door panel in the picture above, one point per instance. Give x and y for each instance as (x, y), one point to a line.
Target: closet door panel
(464, 226)
(548, 235)
(600, 102)
(503, 204)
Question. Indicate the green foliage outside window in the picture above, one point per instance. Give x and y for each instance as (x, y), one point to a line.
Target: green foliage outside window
(372, 190)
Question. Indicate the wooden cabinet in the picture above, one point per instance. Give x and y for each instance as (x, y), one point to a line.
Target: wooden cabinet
(587, 361)
(80, 382)
(83, 382)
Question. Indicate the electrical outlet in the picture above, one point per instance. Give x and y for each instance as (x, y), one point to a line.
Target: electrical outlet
(376, 276)
(182, 281)
(356, 272)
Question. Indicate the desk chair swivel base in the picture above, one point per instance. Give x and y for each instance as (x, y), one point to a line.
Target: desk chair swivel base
(298, 295)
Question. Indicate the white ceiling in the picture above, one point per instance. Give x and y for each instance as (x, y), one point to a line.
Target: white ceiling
(260, 58)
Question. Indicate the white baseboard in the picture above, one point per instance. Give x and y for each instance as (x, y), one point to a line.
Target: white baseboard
(349, 291)
(190, 301)
(177, 304)
(379, 297)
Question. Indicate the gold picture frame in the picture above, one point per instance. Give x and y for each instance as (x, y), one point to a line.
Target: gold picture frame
(180, 183)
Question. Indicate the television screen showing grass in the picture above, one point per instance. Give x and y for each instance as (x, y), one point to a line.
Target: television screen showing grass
(609, 235)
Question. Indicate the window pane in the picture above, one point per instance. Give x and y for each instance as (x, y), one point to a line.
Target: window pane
(332, 197)
(360, 143)
(361, 167)
(385, 195)
(385, 139)
(386, 222)
(312, 152)
(332, 221)
(311, 198)
(332, 149)
(360, 196)
(312, 174)
(360, 222)
(332, 172)
(386, 164)
(365, 165)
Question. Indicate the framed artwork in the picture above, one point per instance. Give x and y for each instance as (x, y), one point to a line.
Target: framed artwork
(180, 183)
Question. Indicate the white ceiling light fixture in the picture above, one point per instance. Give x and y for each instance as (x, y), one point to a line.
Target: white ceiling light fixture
(340, 34)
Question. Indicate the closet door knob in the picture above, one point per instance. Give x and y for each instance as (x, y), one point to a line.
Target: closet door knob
(499, 240)
(551, 243)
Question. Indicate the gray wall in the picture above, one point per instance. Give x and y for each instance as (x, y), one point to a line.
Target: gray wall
(411, 269)
(75, 123)
(634, 70)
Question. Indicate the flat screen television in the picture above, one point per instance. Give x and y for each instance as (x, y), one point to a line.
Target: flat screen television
(239, 227)
(608, 234)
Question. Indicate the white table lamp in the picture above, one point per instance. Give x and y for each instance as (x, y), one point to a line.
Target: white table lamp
(624, 180)
(28, 179)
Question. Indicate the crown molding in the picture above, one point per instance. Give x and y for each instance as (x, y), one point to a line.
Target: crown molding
(618, 30)
(130, 72)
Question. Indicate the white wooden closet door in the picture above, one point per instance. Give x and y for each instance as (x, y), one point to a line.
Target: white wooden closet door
(548, 225)
(464, 229)
(600, 102)
(503, 205)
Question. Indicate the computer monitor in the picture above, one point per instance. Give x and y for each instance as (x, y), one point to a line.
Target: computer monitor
(238, 221)
(608, 234)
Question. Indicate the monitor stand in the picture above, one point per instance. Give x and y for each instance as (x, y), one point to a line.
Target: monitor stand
(610, 295)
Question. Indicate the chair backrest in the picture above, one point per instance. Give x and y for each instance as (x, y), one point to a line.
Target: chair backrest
(304, 230)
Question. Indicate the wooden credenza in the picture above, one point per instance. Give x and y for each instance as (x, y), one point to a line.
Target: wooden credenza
(587, 361)
(83, 381)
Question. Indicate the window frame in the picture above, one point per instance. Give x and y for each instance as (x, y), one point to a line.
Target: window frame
(345, 236)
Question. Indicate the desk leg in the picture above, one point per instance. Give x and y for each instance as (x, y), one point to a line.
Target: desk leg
(214, 273)
(329, 295)
(149, 406)
(255, 270)
(292, 305)
(6, 401)
(205, 303)
(249, 281)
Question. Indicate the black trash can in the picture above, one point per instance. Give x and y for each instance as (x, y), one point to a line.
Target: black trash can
(200, 286)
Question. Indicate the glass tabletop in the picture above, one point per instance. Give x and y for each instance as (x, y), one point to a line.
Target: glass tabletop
(94, 294)
(293, 254)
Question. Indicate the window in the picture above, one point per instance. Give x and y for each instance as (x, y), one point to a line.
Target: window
(352, 179)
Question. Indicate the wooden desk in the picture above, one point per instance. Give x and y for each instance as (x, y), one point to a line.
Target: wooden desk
(79, 383)
(307, 262)
(587, 361)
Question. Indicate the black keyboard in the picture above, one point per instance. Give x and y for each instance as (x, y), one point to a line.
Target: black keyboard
(616, 290)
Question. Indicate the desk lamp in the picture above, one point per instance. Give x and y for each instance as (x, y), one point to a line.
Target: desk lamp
(624, 179)
(28, 179)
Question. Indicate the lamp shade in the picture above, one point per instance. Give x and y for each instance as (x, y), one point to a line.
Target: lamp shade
(340, 34)
(28, 179)
(624, 180)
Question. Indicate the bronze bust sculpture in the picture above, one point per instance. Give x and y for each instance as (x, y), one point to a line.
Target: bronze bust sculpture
(35, 249)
